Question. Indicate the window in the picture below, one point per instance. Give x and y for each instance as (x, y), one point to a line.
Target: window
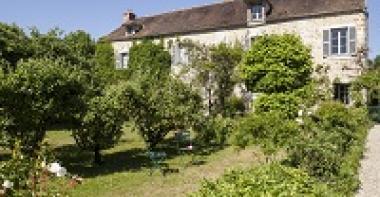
(180, 55)
(339, 41)
(257, 12)
(122, 61)
(341, 93)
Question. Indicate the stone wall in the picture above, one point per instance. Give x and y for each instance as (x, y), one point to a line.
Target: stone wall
(344, 69)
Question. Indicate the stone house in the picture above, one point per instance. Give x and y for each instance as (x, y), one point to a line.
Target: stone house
(335, 30)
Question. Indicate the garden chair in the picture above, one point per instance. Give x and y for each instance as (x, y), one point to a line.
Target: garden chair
(158, 161)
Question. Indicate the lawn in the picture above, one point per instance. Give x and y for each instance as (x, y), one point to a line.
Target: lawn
(126, 170)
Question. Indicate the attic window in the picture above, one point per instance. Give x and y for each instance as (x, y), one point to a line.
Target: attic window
(257, 11)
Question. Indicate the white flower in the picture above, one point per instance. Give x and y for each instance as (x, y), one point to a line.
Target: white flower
(300, 113)
(61, 172)
(190, 147)
(299, 121)
(7, 184)
(309, 113)
(43, 164)
(54, 167)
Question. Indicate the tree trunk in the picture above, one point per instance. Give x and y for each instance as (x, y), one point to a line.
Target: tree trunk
(97, 155)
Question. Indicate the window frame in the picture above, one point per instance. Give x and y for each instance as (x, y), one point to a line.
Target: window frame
(342, 92)
(257, 16)
(350, 42)
(123, 64)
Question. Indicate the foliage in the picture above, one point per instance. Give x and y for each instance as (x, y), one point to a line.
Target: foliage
(13, 46)
(330, 145)
(267, 180)
(287, 104)
(276, 64)
(214, 130)
(234, 106)
(101, 125)
(105, 62)
(148, 58)
(376, 62)
(213, 70)
(270, 130)
(224, 60)
(77, 48)
(38, 94)
(28, 175)
(157, 107)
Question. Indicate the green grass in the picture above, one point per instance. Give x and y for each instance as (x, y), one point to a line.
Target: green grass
(126, 168)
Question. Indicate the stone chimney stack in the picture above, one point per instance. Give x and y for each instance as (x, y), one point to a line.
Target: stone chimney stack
(129, 16)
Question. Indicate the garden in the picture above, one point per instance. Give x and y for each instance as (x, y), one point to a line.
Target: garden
(73, 125)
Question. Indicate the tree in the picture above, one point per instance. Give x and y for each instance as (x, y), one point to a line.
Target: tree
(105, 62)
(36, 95)
(376, 62)
(148, 58)
(225, 60)
(215, 68)
(277, 64)
(101, 125)
(13, 46)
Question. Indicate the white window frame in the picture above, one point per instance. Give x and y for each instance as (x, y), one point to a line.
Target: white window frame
(350, 41)
(124, 56)
(255, 16)
(340, 44)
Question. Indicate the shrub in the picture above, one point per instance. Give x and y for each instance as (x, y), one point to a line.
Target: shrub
(277, 64)
(269, 130)
(214, 130)
(287, 104)
(158, 107)
(37, 94)
(330, 145)
(234, 106)
(101, 125)
(268, 180)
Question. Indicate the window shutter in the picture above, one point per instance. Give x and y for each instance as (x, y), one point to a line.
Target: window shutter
(119, 60)
(177, 54)
(326, 43)
(352, 40)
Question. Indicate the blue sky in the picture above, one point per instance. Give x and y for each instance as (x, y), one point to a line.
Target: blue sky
(99, 17)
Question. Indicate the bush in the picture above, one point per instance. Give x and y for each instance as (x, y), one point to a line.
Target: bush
(287, 104)
(268, 180)
(214, 130)
(234, 106)
(37, 94)
(269, 130)
(101, 125)
(277, 64)
(330, 145)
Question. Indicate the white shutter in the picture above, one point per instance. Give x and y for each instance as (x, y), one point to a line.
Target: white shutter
(352, 40)
(326, 43)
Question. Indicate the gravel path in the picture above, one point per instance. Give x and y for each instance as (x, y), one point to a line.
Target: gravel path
(370, 166)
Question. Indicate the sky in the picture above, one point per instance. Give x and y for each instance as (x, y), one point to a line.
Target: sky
(99, 17)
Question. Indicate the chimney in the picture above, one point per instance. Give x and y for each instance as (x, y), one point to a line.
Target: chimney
(129, 16)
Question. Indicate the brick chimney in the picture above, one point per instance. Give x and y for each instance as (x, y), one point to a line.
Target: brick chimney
(129, 16)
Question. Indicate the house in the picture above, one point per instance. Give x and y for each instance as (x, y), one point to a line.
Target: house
(335, 30)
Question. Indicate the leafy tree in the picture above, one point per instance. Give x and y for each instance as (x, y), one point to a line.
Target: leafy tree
(148, 58)
(105, 62)
(37, 94)
(376, 62)
(101, 126)
(157, 107)
(277, 63)
(215, 68)
(225, 60)
(13, 45)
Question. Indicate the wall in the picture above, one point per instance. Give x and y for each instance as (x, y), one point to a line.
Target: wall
(344, 69)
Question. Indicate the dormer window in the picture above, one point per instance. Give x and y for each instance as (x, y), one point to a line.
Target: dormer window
(257, 12)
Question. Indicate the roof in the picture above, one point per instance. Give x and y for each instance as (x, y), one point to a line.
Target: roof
(231, 14)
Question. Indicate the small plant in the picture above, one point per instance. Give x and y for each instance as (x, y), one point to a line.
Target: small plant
(267, 180)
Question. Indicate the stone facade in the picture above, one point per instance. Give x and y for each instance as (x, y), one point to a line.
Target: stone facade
(310, 29)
